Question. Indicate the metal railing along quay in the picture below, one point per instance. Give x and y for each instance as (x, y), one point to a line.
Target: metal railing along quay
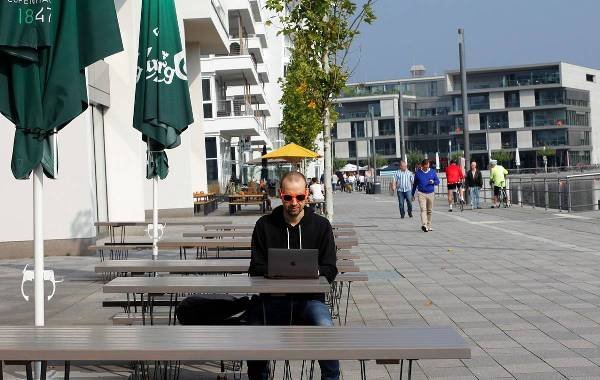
(568, 192)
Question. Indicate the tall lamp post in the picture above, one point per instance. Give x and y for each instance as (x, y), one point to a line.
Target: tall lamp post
(402, 143)
(463, 89)
(371, 112)
(356, 144)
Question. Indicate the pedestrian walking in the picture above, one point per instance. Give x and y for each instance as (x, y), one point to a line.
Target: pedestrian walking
(454, 178)
(402, 185)
(474, 182)
(425, 182)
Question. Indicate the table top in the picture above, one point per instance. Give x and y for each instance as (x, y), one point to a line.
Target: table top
(241, 242)
(212, 227)
(230, 343)
(168, 223)
(193, 266)
(248, 232)
(215, 284)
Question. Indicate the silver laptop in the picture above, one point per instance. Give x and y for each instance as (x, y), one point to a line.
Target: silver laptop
(293, 263)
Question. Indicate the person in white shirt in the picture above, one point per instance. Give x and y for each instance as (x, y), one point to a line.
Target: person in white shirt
(316, 192)
(361, 182)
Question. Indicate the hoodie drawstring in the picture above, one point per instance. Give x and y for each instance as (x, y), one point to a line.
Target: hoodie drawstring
(288, 235)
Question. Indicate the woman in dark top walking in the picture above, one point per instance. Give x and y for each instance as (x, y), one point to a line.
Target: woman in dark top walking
(474, 182)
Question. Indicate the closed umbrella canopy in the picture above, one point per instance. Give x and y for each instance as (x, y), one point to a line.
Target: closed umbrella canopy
(292, 153)
(42, 69)
(163, 108)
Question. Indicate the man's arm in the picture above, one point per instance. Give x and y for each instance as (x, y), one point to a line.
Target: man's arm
(258, 256)
(436, 180)
(327, 255)
(414, 185)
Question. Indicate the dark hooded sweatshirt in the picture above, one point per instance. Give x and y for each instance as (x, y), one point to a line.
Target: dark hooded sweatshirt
(313, 232)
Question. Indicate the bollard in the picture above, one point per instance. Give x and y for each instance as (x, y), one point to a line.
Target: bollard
(559, 197)
(546, 200)
(569, 193)
(532, 192)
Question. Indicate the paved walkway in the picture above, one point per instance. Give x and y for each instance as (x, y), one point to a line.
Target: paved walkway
(521, 285)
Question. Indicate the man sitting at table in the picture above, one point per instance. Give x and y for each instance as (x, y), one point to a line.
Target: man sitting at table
(292, 226)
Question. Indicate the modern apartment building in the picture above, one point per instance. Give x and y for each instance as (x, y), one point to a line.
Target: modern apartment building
(528, 107)
(232, 69)
(241, 94)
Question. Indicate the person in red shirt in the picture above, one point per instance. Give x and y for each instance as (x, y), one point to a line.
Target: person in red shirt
(454, 178)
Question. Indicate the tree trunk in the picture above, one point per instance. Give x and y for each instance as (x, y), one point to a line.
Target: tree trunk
(327, 166)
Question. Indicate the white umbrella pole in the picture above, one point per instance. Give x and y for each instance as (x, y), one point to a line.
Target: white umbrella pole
(38, 243)
(155, 217)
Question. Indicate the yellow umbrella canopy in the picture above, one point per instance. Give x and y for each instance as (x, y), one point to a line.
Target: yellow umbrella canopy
(292, 153)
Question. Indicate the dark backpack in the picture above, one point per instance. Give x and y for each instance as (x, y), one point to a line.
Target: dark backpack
(212, 309)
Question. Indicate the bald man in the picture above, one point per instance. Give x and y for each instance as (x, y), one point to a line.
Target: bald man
(291, 226)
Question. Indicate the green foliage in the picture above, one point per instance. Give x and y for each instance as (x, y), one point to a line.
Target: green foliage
(413, 158)
(380, 161)
(457, 155)
(545, 151)
(338, 163)
(322, 32)
(502, 156)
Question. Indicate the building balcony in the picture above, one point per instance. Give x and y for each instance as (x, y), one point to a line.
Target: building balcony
(263, 72)
(249, 45)
(234, 119)
(260, 140)
(261, 33)
(234, 69)
(256, 92)
(206, 25)
(257, 9)
(240, 11)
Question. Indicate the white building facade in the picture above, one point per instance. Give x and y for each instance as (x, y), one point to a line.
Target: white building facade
(102, 157)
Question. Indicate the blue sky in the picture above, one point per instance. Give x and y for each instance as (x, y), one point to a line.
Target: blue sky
(498, 32)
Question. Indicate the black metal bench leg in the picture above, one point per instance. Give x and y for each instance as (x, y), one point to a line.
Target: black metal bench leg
(363, 370)
(410, 362)
(29, 371)
(347, 301)
(67, 370)
(44, 368)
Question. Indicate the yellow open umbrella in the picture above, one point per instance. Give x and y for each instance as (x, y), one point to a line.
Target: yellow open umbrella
(292, 153)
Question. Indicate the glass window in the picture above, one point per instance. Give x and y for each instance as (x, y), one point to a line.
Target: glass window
(578, 118)
(493, 120)
(550, 137)
(476, 102)
(511, 99)
(509, 140)
(206, 89)
(207, 108)
(387, 127)
(212, 170)
(351, 148)
(385, 147)
(211, 147)
(549, 97)
(477, 141)
(357, 127)
(544, 118)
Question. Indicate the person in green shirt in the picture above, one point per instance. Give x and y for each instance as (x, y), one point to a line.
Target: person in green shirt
(497, 180)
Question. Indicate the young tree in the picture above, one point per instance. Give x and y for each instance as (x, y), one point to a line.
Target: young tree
(502, 156)
(322, 32)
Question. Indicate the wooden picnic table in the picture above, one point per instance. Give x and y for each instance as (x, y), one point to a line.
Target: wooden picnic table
(248, 233)
(238, 200)
(215, 285)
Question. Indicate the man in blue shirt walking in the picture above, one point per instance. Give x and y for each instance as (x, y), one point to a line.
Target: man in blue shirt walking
(425, 182)
(402, 184)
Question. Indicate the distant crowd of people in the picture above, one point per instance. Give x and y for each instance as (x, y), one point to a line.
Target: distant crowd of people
(421, 184)
(349, 181)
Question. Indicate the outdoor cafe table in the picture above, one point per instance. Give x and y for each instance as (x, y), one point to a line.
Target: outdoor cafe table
(236, 227)
(237, 200)
(202, 245)
(191, 343)
(215, 285)
(248, 233)
(122, 225)
(192, 266)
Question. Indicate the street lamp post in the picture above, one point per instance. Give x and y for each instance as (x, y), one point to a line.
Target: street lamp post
(402, 143)
(373, 139)
(356, 145)
(463, 89)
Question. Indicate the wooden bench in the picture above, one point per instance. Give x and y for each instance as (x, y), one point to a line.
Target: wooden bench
(214, 343)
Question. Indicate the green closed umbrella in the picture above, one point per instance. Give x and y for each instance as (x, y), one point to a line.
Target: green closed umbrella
(163, 109)
(44, 49)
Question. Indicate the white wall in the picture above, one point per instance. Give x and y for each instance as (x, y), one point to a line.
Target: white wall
(524, 139)
(474, 122)
(575, 77)
(69, 201)
(527, 98)
(516, 119)
(362, 148)
(495, 140)
(387, 107)
(343, 130)
(496, 100)
(341, 149)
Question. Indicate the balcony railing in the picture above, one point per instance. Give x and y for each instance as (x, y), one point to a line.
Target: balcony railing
(357, 115)
(549, 100)
(229, 108)
(544, 122)
(494, 125)
(478, 146)
(559, 141)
